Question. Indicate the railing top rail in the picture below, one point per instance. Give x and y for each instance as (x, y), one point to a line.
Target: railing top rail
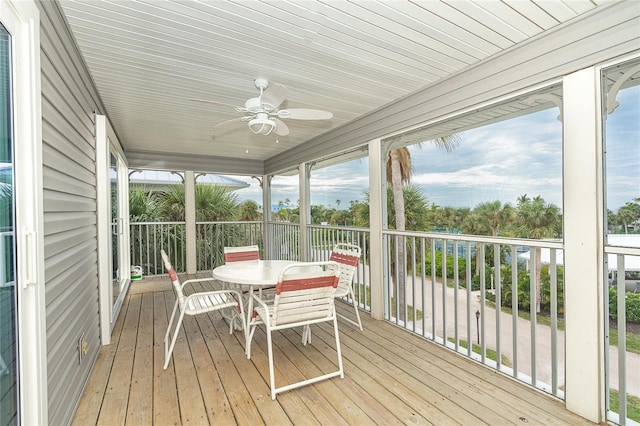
(232, 222)
(339, 228)
(554, 244)
(156, 223)
(633, 251)
(257, 222)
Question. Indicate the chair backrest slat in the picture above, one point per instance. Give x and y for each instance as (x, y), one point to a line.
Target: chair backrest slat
(175, 280)
(242, 253)
(348, 257)
(306, 296)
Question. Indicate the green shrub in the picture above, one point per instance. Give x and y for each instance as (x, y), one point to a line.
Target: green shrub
(475, 281)
(462, 266)
(632, 305)
(524, 286)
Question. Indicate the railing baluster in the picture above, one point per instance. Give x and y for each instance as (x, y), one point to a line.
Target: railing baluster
(497, 261)
(433, 289)
(553, 282)
(445, 250)
(456, 287)
(469, 287)
(533, 297)
(514, 307)
(622, 340)
(483, 299)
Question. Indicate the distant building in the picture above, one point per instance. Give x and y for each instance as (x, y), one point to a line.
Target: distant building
(155, 180)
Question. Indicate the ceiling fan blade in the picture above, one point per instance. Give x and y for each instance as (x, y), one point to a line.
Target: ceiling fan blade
(229, 121)
(212, 102)
(305, 114)
(281, 128)
(273, 96)
(233, 120)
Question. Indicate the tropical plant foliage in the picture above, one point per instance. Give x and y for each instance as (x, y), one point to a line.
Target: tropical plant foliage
(632, 304)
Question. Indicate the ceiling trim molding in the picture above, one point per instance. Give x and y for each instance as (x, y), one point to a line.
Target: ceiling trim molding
(200, 163)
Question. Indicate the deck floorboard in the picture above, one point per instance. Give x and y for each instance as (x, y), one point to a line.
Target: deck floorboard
(391, 376)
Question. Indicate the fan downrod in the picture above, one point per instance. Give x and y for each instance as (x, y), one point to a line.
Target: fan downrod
(261, 83)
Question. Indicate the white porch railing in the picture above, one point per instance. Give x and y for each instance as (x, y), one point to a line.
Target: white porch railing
(283, 241)
(464, 308)
(148, 238)
(623, 367)
(322, 238)
(484, 305)
(212, 237)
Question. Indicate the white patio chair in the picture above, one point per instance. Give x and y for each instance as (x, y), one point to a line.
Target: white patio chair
(197, 303)
(348, 256)
(302, 299)
(241, 253)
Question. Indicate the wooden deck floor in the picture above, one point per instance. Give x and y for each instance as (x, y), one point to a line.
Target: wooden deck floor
(391, 377)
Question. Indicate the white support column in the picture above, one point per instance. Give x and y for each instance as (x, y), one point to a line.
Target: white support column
(103, 215)
(376, 223)
(190, 219)
(304, 171)
(265, 184)
(583, 254)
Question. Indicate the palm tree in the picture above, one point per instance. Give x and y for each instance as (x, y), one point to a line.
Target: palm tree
(143, 205)
(628, 216)
(213, 203)
(249, 210)
(495, 215)
(536, 220)
(398, 170)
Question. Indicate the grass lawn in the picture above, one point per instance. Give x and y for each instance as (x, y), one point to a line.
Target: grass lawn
(633, 340)
(633, 405)
(491, 354)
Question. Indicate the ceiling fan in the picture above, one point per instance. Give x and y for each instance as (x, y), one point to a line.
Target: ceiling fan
(262, 114)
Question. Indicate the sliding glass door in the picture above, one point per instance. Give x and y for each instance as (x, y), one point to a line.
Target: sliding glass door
(8, 317)
(118, 210)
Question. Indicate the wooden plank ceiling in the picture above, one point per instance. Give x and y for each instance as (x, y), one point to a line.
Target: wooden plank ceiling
(151, 58)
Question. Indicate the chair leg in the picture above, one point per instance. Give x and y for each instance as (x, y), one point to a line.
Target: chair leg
(355, 308)
(243, 320)
(306, 335)
(249, 338)
(338, 350)
(272, 379)
(168, 351)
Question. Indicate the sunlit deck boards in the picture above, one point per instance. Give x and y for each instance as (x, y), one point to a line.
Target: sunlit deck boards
(391, 377)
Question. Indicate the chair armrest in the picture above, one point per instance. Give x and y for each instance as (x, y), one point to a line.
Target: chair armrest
(196, 280)
(264, 305)
(236, 295)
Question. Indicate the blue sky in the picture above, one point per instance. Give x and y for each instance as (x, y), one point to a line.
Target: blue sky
(497, 162)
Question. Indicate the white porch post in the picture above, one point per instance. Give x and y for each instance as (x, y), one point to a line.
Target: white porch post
(376, 224)
(304, 170)
(265, 184)
(583, 237)
(190, 219)
(104, 229)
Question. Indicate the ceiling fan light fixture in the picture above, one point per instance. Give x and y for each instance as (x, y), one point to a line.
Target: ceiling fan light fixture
(262, 125)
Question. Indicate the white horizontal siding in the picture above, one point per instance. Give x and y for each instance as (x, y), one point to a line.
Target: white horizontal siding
(68, 104)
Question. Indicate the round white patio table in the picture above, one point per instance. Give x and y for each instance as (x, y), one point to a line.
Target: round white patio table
(251, 274)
